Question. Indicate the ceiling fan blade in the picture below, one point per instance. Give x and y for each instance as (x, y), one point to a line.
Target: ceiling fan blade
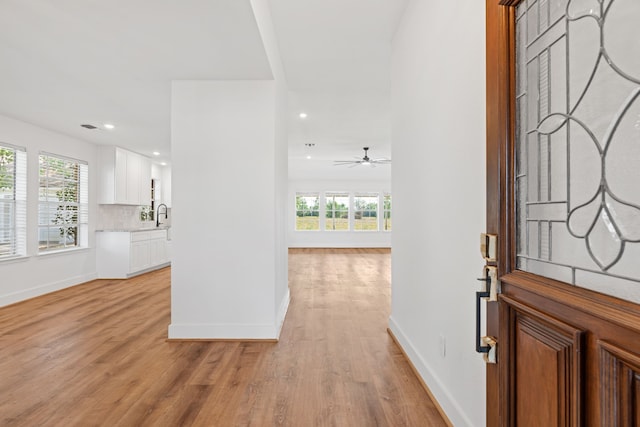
(362, 161)
(353, 165)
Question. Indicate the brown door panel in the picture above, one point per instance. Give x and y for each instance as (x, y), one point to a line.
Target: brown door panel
(544, 357)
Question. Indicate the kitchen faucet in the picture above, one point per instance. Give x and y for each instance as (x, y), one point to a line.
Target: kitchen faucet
(166, 214)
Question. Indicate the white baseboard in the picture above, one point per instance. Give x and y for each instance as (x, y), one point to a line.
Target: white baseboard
(37, 291)
(200, 331)
(282, 312)
(448, 404)
(231, 331)
(339, 245)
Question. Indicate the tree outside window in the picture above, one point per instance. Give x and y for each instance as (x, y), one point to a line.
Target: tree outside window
(7, 197)
(386, 224)
(13, 201)
(63, 210)
(337, 211)
(366, 212)
(307, 211)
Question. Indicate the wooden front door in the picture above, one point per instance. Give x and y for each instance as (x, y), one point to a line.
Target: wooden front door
(563, 196)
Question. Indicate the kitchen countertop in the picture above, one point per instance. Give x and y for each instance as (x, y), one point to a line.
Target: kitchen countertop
(131, 230)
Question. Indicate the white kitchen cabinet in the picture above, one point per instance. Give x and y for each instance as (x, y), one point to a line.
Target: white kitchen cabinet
(140, 256)
(158, 250)
(123, 254)
(124, 176)
(120, 192)
(144, 180)
(166, 185)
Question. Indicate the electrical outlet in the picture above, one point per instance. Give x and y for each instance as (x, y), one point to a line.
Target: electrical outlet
(443, 346)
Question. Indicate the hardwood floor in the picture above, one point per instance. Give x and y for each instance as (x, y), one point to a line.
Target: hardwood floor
(97, 354)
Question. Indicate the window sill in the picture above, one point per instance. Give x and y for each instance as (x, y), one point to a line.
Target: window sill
(63, 251)
(16, 258)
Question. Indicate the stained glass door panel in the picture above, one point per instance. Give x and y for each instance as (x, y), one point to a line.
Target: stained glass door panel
(578, 143)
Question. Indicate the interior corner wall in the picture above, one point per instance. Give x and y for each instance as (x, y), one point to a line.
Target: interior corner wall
(438, 145)
(37, 274)
(224, 233)
(335, 239)
(262, 14)
(282, 295)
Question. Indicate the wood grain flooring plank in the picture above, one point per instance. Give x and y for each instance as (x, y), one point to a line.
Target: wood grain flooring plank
(97, 355)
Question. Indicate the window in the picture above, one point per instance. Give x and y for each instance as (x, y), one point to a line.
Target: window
(365, 212)
(337, 211)
(386, 224)
(307, 211)
(13, 201)
(63, 211)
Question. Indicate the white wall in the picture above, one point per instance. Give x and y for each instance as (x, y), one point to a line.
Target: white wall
(229, 172)
(438, 143)
(224, 214)
(39, 274)
(267, 32)
(335, 239)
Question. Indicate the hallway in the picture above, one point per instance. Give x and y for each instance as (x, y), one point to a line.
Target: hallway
(97, 354)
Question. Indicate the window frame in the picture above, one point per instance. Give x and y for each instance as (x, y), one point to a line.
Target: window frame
(315, 194)
(356, 210)
(76, 218)
(386, 211)
(345, 212)
(16, 228)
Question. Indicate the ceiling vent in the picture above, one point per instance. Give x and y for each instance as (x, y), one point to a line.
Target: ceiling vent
(86, 126)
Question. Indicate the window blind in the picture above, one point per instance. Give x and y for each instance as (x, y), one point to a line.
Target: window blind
(13, 201)
(63, 202)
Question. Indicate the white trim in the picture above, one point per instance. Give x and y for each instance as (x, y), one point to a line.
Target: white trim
(222, 331)
(63, 157)
(17, 204)
(139, 272)
(63, 251)
(445, 399)
(37, 291)
(14, 258)
(13, 147)
(233, 331)
(282, 312)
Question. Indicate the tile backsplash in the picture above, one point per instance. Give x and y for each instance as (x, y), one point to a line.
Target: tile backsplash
(125, 217)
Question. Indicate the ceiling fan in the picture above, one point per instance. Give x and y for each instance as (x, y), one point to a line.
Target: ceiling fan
(365, 161)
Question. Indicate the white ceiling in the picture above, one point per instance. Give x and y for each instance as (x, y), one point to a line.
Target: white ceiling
(336, 55)
(70, 62)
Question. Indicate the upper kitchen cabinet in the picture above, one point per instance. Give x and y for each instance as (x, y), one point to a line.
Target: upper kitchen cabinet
(124, 177)
(161, 184)
(166, 185)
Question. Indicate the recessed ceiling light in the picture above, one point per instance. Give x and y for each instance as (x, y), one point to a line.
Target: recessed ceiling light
(163, 164)
(308, 157)
(109, 126)
(303, 115)
(156, 153)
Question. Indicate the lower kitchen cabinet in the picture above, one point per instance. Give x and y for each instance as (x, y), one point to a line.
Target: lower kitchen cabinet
(123, 254)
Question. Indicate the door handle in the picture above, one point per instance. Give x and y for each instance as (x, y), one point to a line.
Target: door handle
(487, 345)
